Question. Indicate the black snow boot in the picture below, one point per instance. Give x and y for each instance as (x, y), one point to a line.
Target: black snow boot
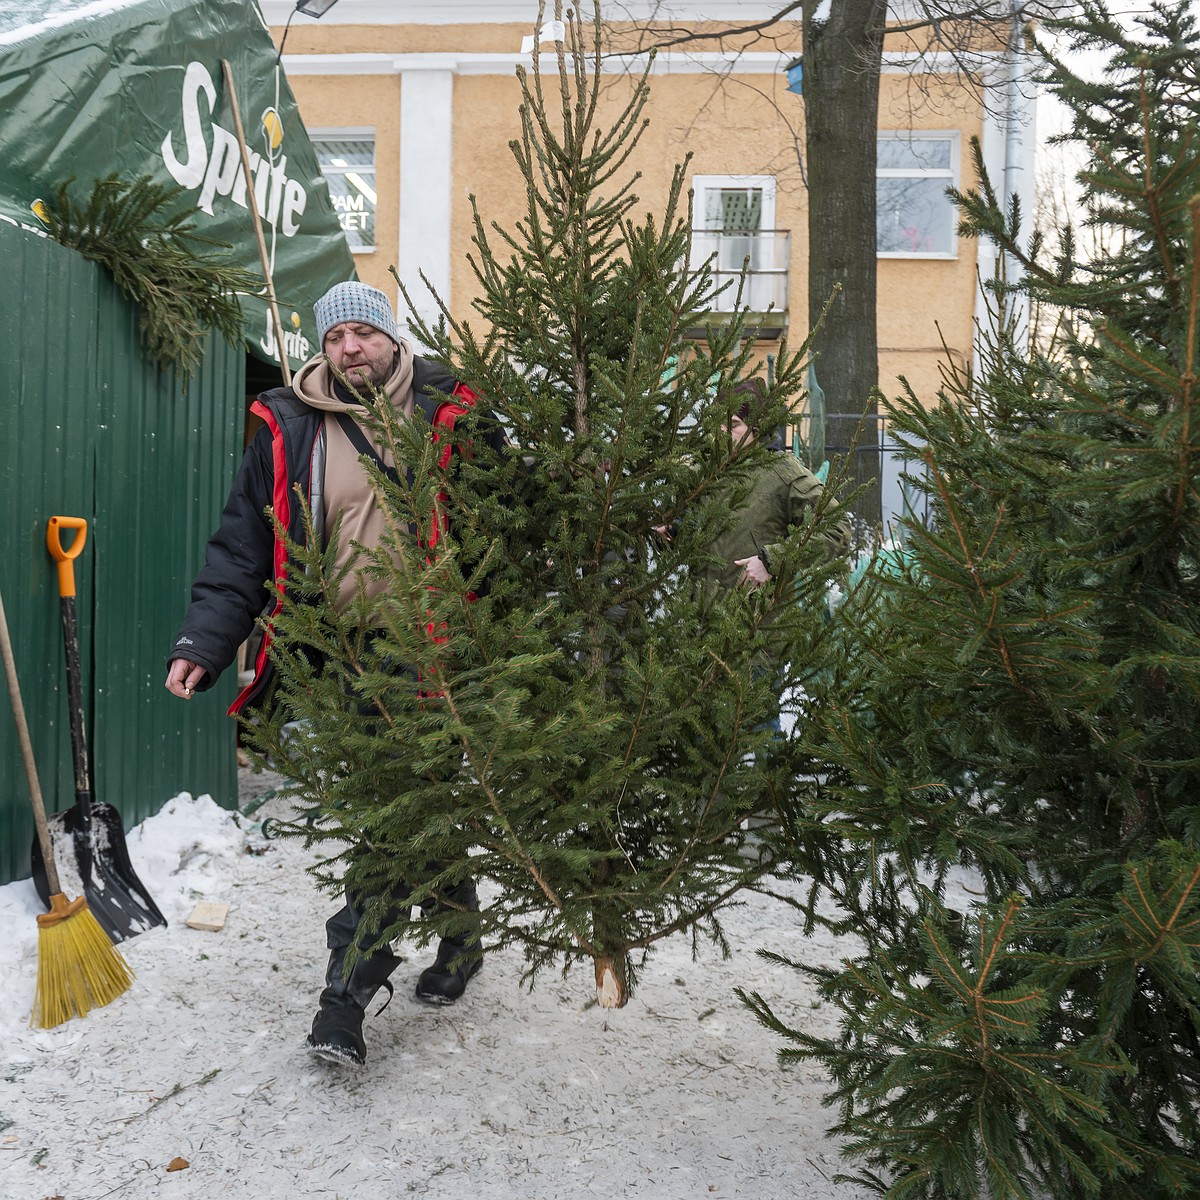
(446, 980)
(337, 1028)
(458, 958)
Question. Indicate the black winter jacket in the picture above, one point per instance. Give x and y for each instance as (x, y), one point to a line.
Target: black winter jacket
(231, 590)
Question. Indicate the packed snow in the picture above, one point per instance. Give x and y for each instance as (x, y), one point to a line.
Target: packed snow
(196, 1083)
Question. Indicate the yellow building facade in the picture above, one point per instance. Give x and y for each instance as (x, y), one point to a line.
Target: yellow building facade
(412, 107)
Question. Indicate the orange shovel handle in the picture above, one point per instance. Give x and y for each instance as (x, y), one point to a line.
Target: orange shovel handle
(65, 556)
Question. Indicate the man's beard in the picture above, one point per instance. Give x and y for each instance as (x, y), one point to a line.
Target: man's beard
(366, 378)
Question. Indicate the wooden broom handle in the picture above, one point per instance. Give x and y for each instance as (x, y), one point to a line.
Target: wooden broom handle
(35, 790)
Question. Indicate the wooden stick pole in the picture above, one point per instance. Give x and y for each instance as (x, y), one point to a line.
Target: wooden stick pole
(252, 199)
(35, 790)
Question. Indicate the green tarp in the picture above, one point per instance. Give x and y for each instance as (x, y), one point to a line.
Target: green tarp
(135, 87)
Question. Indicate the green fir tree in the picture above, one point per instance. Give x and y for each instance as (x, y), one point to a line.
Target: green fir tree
(1010, 821)
(555, 707)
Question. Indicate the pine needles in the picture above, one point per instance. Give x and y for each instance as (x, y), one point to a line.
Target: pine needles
(1021, 701)
(593, 726)
(154, 257)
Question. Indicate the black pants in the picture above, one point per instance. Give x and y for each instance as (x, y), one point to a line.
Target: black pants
(345, 927)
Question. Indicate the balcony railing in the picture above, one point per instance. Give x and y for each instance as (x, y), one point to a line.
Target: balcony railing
(765, 253)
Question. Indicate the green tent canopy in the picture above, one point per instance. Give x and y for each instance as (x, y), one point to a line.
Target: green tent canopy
(136, 88)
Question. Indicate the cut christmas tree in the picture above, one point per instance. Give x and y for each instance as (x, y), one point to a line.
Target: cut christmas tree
(1011, 816)
(552, 699)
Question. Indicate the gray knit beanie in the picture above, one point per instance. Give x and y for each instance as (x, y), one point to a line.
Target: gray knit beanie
(354, 301)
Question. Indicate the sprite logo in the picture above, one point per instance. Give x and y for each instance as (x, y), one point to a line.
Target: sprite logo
(211, 161)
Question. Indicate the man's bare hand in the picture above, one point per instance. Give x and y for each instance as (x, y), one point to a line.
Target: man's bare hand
(754, 573)
(183, 677)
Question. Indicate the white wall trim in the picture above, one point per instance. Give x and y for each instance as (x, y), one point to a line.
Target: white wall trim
(1008, 142)
(515, 12)
(940, 62)
(757, 63)
(727, 62)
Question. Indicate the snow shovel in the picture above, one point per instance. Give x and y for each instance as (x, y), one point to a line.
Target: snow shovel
(88, 840)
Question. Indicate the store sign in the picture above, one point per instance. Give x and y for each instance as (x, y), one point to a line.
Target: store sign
(102, 89)
(347, 160)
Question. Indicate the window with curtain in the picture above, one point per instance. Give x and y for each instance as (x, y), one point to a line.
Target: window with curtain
(347, 160)
(737, 213)
(914, 217)
(734, 220)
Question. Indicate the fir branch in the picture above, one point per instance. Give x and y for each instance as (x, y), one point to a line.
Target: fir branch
(155, 257)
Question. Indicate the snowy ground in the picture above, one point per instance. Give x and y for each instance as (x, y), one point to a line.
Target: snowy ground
(507, 1094)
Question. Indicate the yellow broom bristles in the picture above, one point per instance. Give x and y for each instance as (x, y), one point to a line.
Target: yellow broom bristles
(78, 966)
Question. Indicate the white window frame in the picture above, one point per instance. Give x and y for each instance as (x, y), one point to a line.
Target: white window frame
(701, 184)
(352, 134)
(948, 174)
(706, 183)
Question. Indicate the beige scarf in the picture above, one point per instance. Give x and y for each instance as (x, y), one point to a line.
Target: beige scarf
(348, 496)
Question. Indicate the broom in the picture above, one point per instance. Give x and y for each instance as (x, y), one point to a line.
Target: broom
(78, 967)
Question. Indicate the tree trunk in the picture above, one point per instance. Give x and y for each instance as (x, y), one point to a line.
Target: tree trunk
(842, 58)
(612, 980)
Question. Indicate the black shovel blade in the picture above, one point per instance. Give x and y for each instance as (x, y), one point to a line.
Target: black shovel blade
(98, 867)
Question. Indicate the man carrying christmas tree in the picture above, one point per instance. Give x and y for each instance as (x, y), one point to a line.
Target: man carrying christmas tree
(316, 436)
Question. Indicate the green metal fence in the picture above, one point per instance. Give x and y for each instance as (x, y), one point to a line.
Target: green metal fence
(91, 429)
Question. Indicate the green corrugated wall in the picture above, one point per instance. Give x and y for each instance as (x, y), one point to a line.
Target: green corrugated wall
(91, 429)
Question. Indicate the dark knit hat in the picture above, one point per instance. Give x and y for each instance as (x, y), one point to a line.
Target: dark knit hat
(354, 301)
(754, 391)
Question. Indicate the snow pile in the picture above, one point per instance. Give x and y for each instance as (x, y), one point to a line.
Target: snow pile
(179, 853)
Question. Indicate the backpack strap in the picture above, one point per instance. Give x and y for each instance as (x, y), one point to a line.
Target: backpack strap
(359, 441)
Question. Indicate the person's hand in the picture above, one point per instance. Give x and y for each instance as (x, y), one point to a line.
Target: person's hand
(754, 573)
(183, 677)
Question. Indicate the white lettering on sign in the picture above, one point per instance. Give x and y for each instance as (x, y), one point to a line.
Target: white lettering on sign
(294, 342)
(216, 169)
